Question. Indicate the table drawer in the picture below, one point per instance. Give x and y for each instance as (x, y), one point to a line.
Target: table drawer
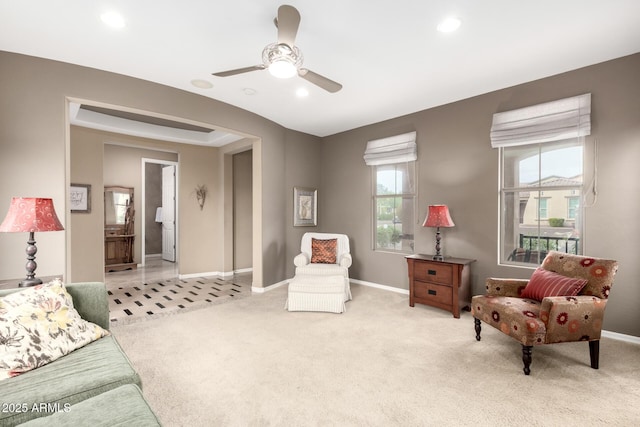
(433, 292)
(433, 272)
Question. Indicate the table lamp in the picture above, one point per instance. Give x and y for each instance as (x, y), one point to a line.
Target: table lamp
(30, 214)
(438, 216)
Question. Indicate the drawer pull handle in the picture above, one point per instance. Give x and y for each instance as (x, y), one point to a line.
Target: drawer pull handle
(431, 272)
(431, 292)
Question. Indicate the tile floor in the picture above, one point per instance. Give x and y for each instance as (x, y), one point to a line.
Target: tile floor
(155, 290)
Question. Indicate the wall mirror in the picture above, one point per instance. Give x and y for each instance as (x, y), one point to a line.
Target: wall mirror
(116, 202)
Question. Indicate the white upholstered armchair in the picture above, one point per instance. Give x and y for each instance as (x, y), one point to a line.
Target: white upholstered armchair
(304, 264)
(321, 282)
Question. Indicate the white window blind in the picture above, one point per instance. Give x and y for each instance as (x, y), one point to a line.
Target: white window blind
(552, 121)
(395, 149)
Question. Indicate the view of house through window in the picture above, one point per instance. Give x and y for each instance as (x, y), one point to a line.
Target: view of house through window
(394, 198)
(541, 193)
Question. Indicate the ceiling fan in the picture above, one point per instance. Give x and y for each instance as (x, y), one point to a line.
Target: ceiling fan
(283, 59)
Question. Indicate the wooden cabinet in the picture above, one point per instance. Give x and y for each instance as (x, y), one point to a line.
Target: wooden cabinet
(443, 284)
(118, 252)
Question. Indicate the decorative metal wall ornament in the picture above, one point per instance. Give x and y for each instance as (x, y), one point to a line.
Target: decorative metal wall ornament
(201, 194)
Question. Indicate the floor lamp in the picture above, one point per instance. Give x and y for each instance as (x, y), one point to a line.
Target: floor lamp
(31, 215)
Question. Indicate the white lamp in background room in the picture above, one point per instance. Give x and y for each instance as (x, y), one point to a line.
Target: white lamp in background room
(438, 216)
(31, 214)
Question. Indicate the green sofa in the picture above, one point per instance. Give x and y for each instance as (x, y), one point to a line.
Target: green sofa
(95, 382)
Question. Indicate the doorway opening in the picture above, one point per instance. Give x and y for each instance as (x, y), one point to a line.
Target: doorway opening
(85, 257)
(159, 212)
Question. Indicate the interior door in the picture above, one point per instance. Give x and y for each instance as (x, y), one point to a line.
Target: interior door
(169, 213)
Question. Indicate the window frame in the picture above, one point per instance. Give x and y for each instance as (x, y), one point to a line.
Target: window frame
(375, 197)
(541, 192)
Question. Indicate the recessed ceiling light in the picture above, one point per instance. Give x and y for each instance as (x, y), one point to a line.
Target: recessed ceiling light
(113, 19)
(302, 92)
(249, 91)
(202, 84)
(449, 25)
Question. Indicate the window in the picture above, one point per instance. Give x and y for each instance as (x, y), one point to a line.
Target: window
(393, 202)
(541, 168)
(573, 203)
(542, 207)
(392, 162)
(540, 192)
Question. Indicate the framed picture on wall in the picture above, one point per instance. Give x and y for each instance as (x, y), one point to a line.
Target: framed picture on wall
(80, 198)
(305, 207)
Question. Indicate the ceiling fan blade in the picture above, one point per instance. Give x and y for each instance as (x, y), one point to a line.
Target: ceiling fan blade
(320, 81)
(239, 71)
(287, 22)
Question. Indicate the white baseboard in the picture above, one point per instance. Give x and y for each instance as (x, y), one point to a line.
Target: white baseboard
(621, 337)
(153, 256)
(205, 274)
(378, 286)
(214, 273)
(261, 290)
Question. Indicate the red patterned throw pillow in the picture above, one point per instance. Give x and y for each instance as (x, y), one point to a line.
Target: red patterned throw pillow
(323, 251)
(545, 283)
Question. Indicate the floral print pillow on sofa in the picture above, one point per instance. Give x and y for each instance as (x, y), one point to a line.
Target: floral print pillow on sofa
(39, 325)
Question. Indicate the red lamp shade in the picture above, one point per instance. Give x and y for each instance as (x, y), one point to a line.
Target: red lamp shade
(438, 216)
(29, 214)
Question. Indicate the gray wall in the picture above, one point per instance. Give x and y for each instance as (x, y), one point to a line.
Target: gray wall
(152, 200)
(33, 126)
(458, 167)
(242, 210)
(303, 168)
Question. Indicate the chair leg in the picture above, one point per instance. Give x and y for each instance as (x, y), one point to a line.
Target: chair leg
(526, 358)
(478, 328)
(594, 353)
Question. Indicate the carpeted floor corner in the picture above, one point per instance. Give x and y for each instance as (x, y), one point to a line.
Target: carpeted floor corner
(249, 362)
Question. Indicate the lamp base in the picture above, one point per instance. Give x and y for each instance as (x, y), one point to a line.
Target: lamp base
(30, 282)
(438, 258)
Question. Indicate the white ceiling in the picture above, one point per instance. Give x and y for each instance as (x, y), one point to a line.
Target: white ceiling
(387, 54)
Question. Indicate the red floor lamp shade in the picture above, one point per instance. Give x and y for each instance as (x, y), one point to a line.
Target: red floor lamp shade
(31, 214)
(438, 216)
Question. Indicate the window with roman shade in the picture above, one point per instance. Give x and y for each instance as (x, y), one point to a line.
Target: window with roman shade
(552, 121)
(541, 168)
(395, 149)
(392, 162)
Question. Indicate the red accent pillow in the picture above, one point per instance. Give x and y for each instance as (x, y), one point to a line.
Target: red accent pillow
(323, 251)
(545, 283)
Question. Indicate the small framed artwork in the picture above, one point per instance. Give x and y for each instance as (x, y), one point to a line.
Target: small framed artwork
(80, 198)
(305, 207)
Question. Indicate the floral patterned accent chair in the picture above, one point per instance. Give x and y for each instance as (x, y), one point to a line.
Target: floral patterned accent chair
(564, 301)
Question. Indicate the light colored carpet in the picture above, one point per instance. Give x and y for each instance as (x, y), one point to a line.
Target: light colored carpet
(381, 363)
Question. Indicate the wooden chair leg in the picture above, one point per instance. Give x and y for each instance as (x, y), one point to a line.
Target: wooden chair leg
(526, 358)
(478, 328)
(594, 353)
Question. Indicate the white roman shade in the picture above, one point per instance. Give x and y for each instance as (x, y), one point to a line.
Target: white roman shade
(551, 121)
(395, 149)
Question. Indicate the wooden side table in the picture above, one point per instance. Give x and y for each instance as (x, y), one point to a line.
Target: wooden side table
(442, 284)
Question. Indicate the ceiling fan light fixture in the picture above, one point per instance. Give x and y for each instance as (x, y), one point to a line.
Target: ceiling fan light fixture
(282, 60)
(282, 69)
